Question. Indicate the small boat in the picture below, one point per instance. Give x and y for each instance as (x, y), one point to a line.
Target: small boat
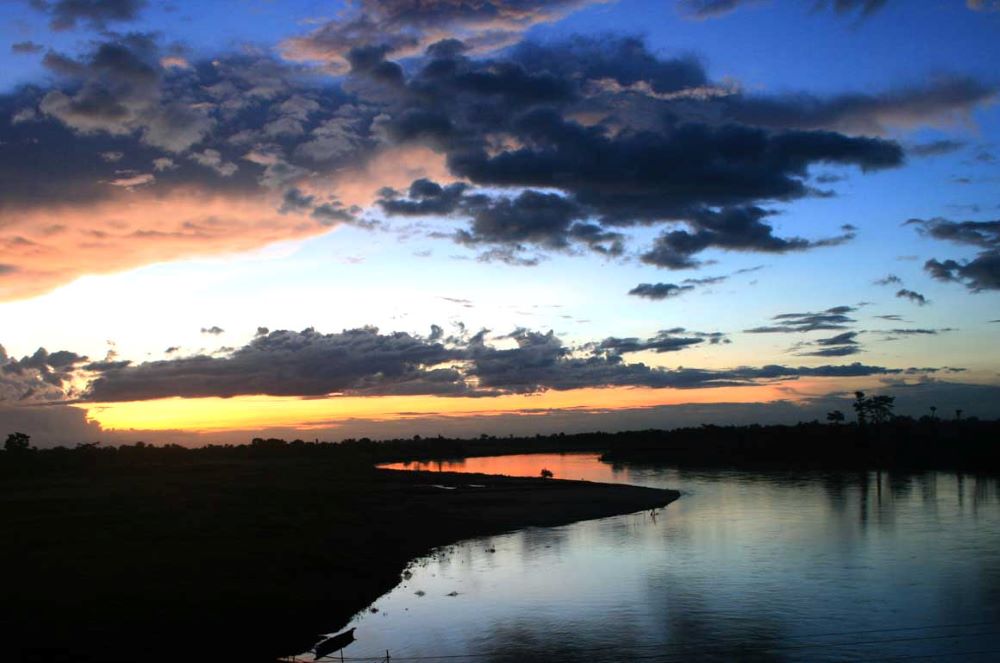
(334, 644)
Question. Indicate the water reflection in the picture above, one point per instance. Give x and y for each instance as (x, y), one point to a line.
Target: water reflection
(745, 566)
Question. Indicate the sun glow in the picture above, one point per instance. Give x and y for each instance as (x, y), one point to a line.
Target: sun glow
(249, 412)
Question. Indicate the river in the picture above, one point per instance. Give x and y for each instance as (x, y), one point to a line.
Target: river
(744, 566)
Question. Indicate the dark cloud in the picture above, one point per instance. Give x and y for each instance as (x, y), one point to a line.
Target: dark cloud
(915, 331)
(889, 279)
(406, 27)
(983, 5)
(980, 273)
(366, 362)
(985, 234)
(840, 345)
(286, 363)
(702, 9)
(785, 323)
(213, 330)
(658, 291)
(557, 146)
(667, 340)
(834, 351)
(119, 89)
(644, 177)
(708, 280)
(730, 229)
(543, 220)
(425, 198)
(38, 378)
(230, 127)
(935, 148)
(943, 101)
(847, 338)
(984, 156)
(26, 48)
(846, 6)
(913, 296)
(66, 14)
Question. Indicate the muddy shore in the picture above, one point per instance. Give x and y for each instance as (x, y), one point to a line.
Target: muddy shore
(248, 560)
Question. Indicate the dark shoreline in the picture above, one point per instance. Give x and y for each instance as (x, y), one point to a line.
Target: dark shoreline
(248, 560)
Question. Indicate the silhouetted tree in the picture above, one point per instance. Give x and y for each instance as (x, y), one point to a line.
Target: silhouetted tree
(17, 442)
(546, 474)
(958, 415)
(880, 408)
(860, 407)
(835, 417)
(933, 411)
(877, 409)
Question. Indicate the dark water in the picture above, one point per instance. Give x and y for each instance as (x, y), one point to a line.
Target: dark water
(745, 566)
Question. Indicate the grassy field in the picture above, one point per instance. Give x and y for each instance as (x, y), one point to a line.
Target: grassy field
(247, 558)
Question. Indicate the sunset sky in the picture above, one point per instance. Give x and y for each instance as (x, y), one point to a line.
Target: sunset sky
(328, 219)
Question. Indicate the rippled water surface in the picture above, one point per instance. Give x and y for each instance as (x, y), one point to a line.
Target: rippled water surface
(745, 566)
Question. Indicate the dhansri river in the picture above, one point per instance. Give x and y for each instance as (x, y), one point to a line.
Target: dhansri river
(744, 566)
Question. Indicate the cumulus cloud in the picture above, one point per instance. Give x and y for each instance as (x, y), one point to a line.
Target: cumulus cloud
(284, 363)
(889, 279)
(109, 121)
(561, 146)
(787, 323)
(913, 296)
(945, 101)
(38, 378)
(740, 229)
(67, 14)
(840, 345)
(914, 331)
(703, 9)
(119, 89)
(367, 362)
(26, 47)
(667, 340)
(542, 220)
(980, 273)
(405, 27)
(935, 148)
(658, 291)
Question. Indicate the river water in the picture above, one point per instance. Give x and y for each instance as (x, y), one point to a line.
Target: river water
(744, 566)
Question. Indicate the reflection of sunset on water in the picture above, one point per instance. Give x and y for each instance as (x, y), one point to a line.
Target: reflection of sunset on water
(582, 467)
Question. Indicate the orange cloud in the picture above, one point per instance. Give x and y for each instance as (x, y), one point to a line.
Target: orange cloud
(136, 224)
(45, 248)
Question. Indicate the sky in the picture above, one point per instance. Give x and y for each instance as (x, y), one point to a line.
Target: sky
(322, 220)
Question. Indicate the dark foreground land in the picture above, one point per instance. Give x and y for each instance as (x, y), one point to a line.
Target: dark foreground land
(168, 554)
(161, 553)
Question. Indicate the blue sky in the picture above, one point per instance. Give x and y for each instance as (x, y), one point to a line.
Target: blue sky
(178, 219)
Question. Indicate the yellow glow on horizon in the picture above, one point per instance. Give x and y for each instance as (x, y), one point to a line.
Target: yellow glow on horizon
(252, 412)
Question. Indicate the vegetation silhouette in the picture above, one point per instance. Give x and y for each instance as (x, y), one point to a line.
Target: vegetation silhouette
(239, 552)
(103, 548)
(17, 443)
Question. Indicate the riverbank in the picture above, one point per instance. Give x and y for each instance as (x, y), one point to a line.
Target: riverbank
(249, 558)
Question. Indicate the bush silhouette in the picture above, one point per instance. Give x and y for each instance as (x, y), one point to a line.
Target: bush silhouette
(17, 442)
